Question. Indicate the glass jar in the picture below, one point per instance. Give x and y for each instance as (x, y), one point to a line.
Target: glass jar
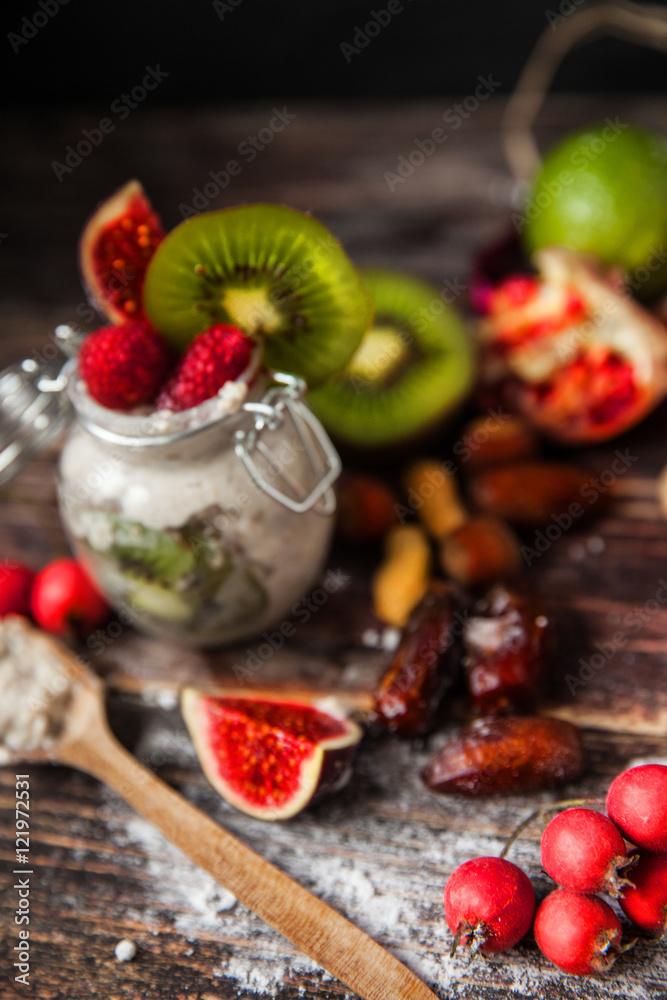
(204, 526)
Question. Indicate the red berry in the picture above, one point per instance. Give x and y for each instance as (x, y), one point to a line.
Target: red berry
(489, 904)
(637, 803)
(583, 850)
(124, 366)
(65, 601)
(15, 586)
(580, 934)
(645, 900)
(218, 355)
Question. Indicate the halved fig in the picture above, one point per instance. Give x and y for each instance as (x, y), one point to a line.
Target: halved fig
(270, 758)
(116, 246)
(571, 351)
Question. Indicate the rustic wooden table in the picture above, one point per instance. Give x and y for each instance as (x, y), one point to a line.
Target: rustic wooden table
(381, 850)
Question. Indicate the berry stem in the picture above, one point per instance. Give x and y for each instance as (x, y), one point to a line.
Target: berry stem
(544, 810)
(460, 930)
(626, 947)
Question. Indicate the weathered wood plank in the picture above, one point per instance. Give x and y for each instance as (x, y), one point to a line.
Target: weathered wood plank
(382, 849)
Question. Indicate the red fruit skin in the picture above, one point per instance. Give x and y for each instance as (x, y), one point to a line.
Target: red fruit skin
(493, 897)
(637, 804)
(645, 901)
(582, 850)
(578, 933)
(218, 355)
(124, 366)
(16, 583)
(64, 600)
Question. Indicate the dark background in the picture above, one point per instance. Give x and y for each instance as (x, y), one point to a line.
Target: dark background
(229, 65)
(91, 51)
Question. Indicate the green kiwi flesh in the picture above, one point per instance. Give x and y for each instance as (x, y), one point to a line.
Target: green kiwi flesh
(276, 273)
(413, 367)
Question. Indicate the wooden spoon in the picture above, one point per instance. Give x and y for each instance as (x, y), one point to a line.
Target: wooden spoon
(86, 742)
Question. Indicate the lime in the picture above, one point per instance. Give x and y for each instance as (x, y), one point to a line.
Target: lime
(603, 190)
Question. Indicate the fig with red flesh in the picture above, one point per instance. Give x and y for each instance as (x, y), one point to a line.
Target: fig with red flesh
(270, 758)
(116, 247)
(571, 351)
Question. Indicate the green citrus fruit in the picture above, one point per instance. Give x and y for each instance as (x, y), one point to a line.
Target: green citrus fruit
(603, 190)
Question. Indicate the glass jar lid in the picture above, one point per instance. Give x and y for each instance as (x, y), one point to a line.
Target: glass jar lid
(37, 403)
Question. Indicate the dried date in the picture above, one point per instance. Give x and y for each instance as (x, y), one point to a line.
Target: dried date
(531, 493)
(511, 754)
(480, 552)
(424, 666)
(505, 645)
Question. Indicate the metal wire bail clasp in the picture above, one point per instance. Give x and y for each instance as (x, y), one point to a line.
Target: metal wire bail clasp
(282, 401)
(34, 409)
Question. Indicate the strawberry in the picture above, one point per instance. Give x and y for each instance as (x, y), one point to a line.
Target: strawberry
(124, 366)
(218, 355)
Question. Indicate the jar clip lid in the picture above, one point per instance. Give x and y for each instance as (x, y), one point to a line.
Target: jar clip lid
(282, 400)
(34, 409)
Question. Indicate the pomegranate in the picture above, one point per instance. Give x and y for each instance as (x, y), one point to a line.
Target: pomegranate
(571, 351)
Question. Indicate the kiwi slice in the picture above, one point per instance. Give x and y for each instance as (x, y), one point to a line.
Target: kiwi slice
(412, 368)
(270, 270)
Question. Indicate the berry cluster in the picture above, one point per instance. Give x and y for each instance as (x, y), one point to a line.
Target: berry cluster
(60, 598)
(130, 365)
(490, 902)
